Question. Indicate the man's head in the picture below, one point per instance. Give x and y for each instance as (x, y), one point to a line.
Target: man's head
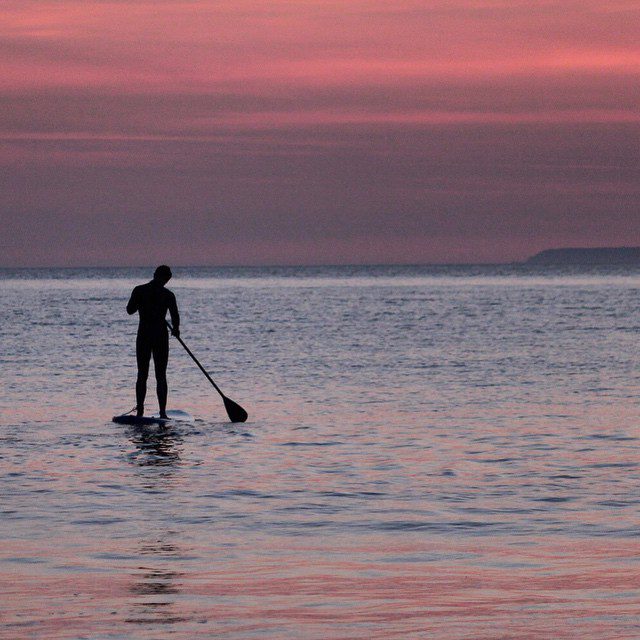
(162, 274)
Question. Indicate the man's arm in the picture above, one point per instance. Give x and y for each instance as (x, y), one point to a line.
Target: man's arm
(175, 316)
(132, 305)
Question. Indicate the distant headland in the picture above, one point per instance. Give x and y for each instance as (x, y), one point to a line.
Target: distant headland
(600, 256)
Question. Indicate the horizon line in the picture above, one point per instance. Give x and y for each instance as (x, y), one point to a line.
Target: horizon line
(273, 265)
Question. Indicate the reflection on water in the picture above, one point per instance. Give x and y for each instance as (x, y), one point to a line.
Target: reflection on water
(154, 586)
(155, 446)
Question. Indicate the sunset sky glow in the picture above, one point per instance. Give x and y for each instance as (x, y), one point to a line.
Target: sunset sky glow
(308, 131)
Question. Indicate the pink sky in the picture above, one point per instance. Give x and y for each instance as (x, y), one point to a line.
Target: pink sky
(350, 131)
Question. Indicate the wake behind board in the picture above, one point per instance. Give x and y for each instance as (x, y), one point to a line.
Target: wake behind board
(175, 415)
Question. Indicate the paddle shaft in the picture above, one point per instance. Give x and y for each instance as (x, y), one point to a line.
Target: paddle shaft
(209, 378)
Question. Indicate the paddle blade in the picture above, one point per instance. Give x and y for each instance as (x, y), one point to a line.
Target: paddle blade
(235, 411)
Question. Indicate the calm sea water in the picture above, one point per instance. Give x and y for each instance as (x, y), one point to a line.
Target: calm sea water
(447, 453)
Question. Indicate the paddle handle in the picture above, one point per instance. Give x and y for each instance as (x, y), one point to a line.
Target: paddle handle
(209, 378)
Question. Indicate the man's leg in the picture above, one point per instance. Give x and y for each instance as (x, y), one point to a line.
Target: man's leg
(143, 355)
(160, 359)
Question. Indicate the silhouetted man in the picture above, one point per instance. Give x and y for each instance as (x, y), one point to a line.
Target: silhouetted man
(152, 301)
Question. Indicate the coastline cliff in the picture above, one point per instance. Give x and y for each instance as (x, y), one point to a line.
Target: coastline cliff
(599, 256)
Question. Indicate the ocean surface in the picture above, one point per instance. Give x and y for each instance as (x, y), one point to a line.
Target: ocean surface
(431, 452)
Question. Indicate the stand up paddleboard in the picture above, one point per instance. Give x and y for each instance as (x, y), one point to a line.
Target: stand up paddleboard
(174, 415)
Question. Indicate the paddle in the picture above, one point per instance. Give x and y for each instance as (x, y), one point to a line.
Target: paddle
(234, 410)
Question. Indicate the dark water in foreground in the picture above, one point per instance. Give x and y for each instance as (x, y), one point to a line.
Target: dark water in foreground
(445, 453)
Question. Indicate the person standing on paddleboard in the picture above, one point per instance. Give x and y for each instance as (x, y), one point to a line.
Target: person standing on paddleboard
(152, 301)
